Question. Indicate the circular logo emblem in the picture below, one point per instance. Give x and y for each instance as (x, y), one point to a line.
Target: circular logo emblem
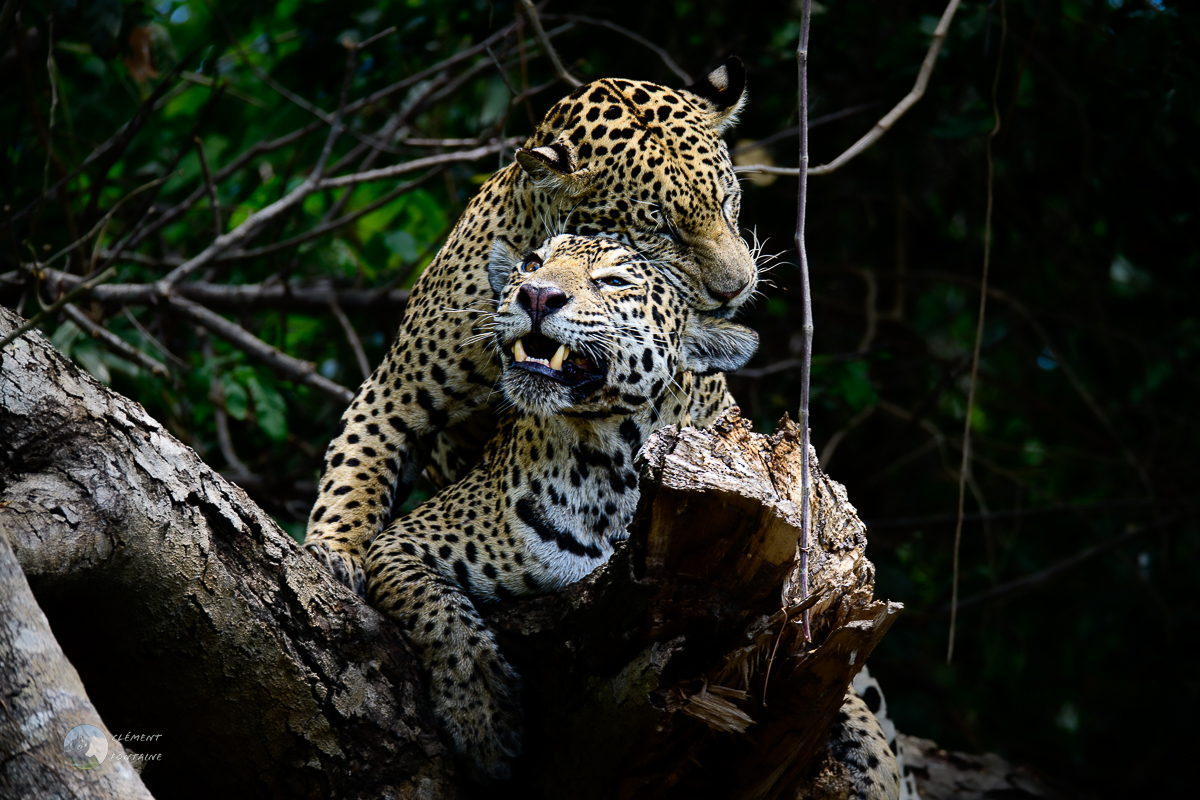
(86, 746)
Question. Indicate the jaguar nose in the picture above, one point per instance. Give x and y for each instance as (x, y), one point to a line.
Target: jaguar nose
(540, 302)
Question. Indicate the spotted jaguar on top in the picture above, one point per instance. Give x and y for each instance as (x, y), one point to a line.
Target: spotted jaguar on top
(627, 159)
(597, 349)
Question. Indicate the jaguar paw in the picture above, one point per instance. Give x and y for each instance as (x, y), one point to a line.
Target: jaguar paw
(483, 717)
(345, 569)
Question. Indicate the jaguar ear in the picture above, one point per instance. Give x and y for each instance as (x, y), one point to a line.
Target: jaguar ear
(505, 258)
(711, 344)
(554, 168)
(723, 93)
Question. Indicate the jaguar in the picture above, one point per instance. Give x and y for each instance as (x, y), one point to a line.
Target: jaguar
(628, 159)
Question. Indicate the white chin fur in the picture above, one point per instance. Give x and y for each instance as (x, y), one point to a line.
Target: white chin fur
(535, 394)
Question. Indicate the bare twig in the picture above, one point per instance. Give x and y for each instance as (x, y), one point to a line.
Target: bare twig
(420, 163)
(869, 310)
(113, 342)
(889, 119)
(119, 140)
(177, 211)
(544, 40)
(987, 254)
(250, 226)
(312, 297)
(792, 363)
(668, 62)
(220, 416)
(806, 319)
(53, 308)
(364, 366)
(334, 224)
(218, 228)
(53, 106)
(832, 445)
(256, 221)
(1030, 581)
(204, 80)
(373, 39)
(143, 220)
(159, 346)
(1052, 348)
(293, 369)
(103, 221)
(1017, 513)
(502, 72)
(795, 129)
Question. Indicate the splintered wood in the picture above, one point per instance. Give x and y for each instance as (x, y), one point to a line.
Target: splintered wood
(679, 670)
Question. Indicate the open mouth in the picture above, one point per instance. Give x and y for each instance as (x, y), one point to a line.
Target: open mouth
(537, 353)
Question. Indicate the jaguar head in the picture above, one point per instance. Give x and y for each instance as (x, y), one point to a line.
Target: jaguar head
(587, 326)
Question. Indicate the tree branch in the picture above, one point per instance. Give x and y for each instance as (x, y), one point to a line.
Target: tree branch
(885, 124)
(288, 367)
(806, 323)
(663, 55)
(532, 15)
(313, 297)
(42, 700)
(216, 629)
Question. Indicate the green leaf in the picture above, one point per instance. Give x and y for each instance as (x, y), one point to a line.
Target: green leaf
(403, 245)
(270, 410)
(236, 401)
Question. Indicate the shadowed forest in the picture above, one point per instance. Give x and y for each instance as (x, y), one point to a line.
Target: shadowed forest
(253, 269)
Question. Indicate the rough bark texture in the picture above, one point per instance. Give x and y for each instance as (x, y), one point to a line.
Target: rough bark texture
(190, 614)
(675, 671)
(43, 699)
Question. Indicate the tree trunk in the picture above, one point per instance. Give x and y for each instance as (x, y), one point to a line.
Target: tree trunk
(674, 671)
(43, 701)
(190, 614)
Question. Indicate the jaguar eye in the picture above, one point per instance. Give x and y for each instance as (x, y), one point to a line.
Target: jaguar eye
(614, 280)
(531, 264)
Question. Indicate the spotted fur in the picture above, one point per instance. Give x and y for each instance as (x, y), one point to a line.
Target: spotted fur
(627, 159)
(597, 348)
(866, 689)
(864, 760)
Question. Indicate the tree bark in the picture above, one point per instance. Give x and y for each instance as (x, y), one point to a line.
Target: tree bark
(201, 620)
(677, 670)
(43, 699)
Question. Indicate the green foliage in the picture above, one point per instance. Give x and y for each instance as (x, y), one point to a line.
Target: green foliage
(1084, 424)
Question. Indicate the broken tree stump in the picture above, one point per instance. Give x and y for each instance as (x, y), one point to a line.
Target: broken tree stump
(678, 669)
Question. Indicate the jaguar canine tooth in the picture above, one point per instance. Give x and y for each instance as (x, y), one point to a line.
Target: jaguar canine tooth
(519, 352)
(559, 355)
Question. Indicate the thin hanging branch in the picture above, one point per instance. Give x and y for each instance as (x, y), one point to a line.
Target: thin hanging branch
(983, 292)
(807, 322)
(532, 15)
(884, 125)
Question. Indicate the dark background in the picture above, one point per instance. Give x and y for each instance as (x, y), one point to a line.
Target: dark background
(1083, 428)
